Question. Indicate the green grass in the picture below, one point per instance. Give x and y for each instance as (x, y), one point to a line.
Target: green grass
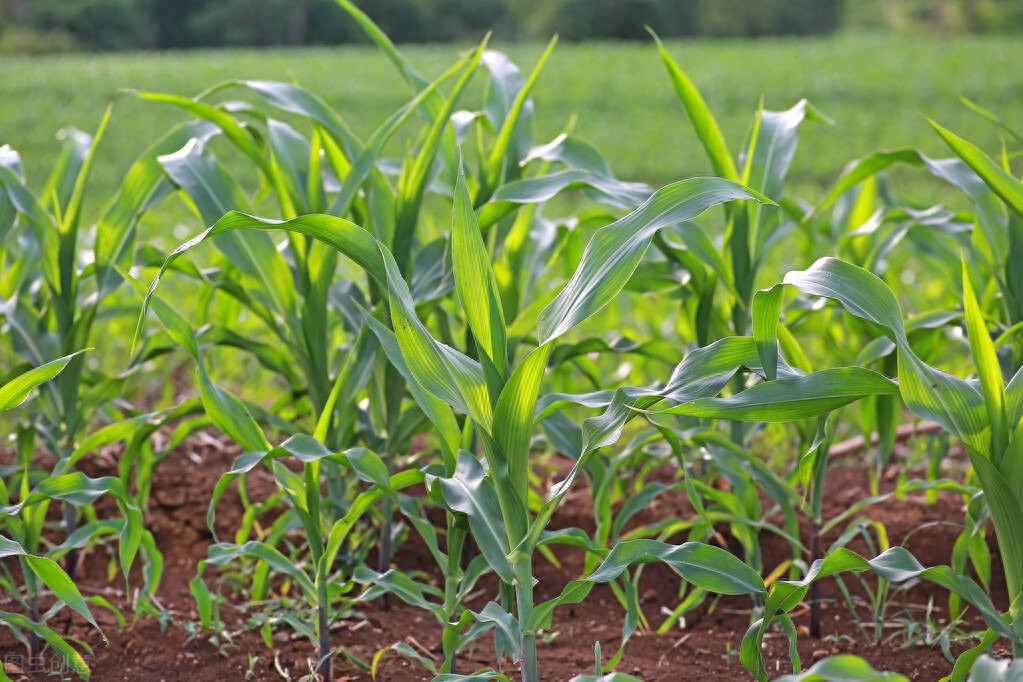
(876, 89)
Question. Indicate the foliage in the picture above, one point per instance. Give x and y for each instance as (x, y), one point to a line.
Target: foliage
(429, 325)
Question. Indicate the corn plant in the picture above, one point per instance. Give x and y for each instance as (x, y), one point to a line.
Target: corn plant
(25, 522)
(500, 398)
(985, 416)
(366, 197)
(323, 580)
(992, 236)
(458, 386)
(844, 667)
(51, 295)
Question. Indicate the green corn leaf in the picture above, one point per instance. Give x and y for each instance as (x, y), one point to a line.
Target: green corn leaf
(1004, 185)
(1014, 398)
(513, 417)
(290, 154)
(52, 575)
(844, 667)
(415, 175)
(75, 487)
(443, 371)
(229, 413)
(17, 390)
(897, 565)
(366, 161)
(984, 357)
(433, 107)
(436, 410)
(990, 212)
(785, 400)
(988, 669)
(60, 185)
(231, 129)
(43, 226)
(991, 117)
(471, 492)
(400, 585)
(223, 553)
(865, 168)
(346, 237)
(72, 214)
(930, 393)
(1003, 496)
(130, 539)
(499, 160)
(703, 120)
(708, 567)
(214, 193)
(769, 155)
(485, 676)
(767, 305)
(509, 631)
(506, 82)
(359, 507)
(111, 433)
(69, 655)
(601, 188)
(384, 43)
(61, 585)
(144, 183)
(615, 251)
(475, 283)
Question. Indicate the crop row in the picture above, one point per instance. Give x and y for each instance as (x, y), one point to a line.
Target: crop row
(429, 326)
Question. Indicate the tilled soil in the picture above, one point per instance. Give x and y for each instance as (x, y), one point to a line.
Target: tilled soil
(705, 649)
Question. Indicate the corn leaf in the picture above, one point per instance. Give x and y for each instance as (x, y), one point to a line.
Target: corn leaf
(471, 492)
(703, 120)
(53, 576)
(442, 370)
(615, 251)
(1004, 185)
(708, 567)
(17, 390)
(475, 283)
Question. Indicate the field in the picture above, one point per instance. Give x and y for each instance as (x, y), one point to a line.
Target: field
(875, 89)
(701, 389)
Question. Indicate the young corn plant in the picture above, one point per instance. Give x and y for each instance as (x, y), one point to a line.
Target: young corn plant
(986, 416)
(499, 395)
(788, 395)
(463, 384)
(393, 217)
(752, 229)
(324, 581)
(991, 237)
(24, 523)
(51, 296)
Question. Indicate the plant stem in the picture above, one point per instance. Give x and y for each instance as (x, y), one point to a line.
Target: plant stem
(70, 524)
(815, 586)
(323, 630)
(385, 549)
(457, 531)
(530, 669)
(524, 611)
(35, 647)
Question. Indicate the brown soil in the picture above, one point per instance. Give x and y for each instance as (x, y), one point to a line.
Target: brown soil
(704, 650)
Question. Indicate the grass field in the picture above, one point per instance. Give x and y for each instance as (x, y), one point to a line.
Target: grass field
(876, 89)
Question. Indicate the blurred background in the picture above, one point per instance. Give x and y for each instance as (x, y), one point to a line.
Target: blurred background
(41, 26)
(876, 68)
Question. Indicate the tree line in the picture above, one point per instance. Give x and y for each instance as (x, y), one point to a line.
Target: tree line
(50, 25)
